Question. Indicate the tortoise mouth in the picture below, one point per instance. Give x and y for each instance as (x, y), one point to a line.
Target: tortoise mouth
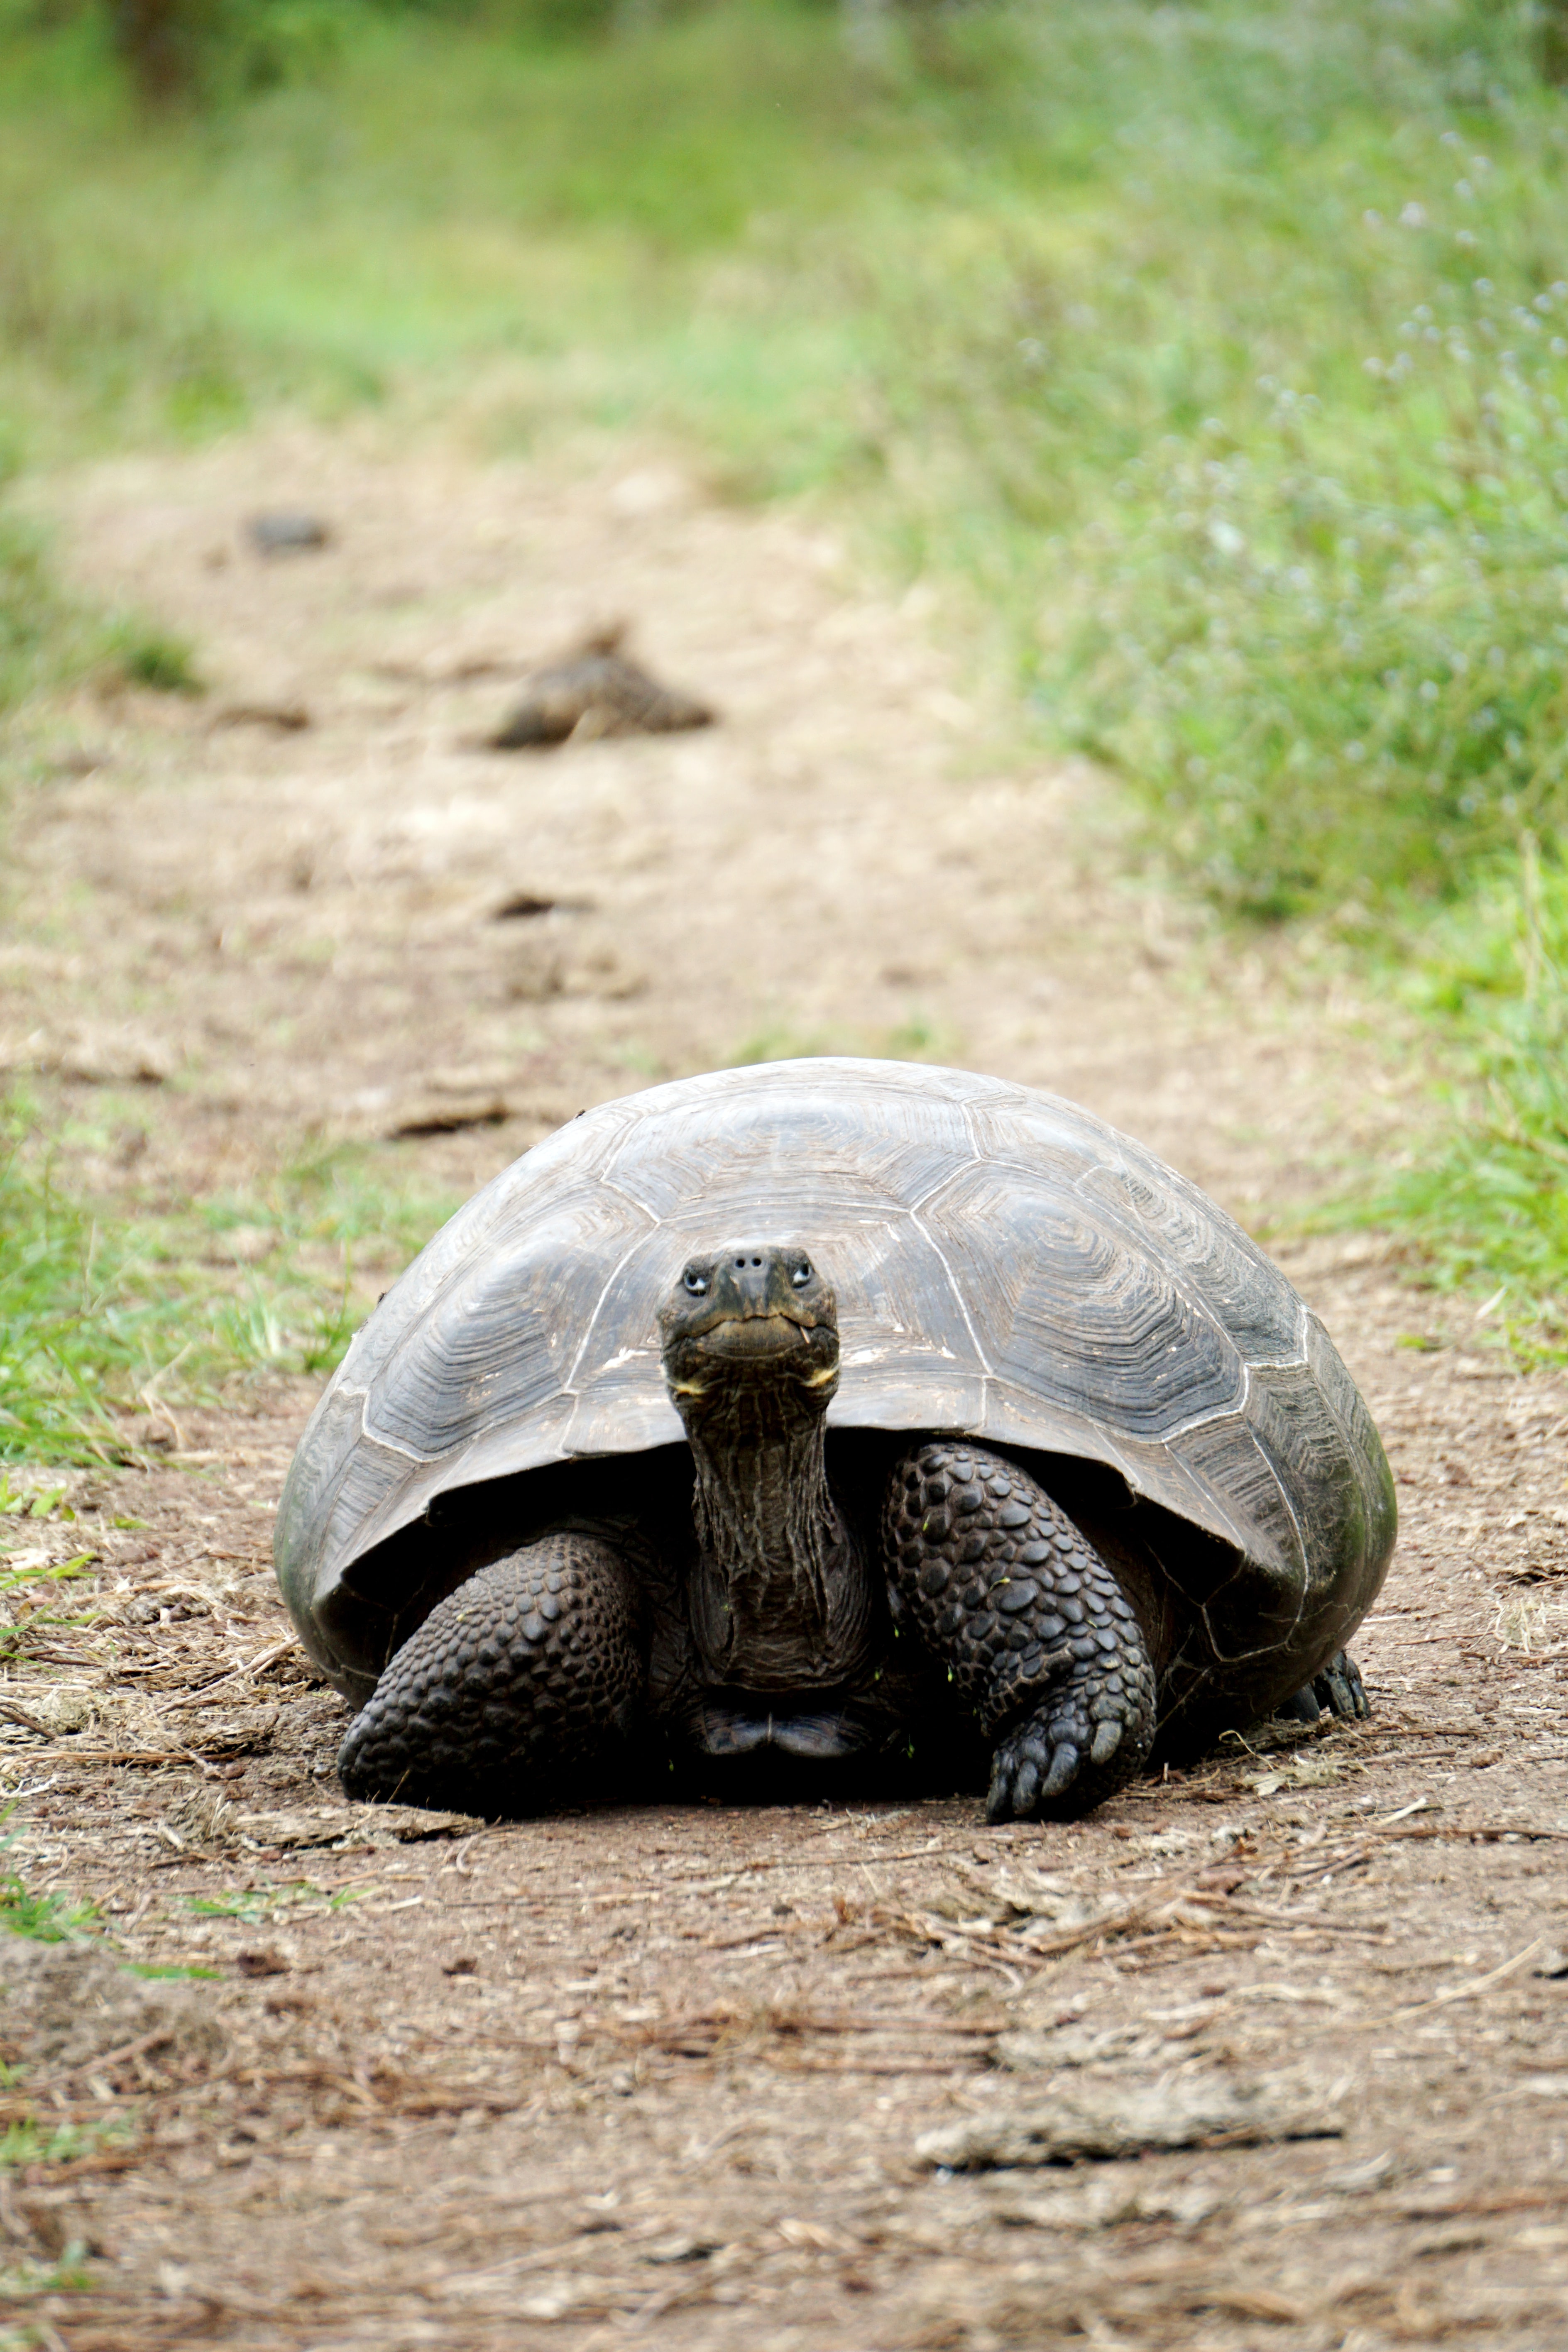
(750, 1337)
(751, 1354)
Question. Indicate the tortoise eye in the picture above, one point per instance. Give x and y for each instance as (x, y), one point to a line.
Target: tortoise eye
(696, 1281)
(802, 1274)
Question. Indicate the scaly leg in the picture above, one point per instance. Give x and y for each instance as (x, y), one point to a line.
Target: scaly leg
(1033, 1628)
(522, 1677)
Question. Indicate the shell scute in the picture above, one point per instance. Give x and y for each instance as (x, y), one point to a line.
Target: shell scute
(501, 1335)
(1064, 1308)
(835, 1156)
(1204, 1254)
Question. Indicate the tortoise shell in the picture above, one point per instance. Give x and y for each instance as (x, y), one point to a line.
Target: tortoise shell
(1006, 1267)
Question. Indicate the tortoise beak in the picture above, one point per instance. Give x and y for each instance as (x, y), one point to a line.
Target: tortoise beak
(753, 1337)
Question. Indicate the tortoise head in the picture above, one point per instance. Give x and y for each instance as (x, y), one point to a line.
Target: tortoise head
(751, 1315)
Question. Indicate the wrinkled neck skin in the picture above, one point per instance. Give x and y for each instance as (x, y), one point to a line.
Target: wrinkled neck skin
(780, 1599)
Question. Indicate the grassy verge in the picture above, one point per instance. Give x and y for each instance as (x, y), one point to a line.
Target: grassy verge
(103, 1323)
(48, 638)
(1487, 1210)
(1213, 361)
(1079, 304)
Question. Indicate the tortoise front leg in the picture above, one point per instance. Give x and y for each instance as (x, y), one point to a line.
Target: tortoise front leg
(1033, 1628)
(516, 1682)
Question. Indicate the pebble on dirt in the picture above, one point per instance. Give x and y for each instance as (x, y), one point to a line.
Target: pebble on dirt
(1106, 2121)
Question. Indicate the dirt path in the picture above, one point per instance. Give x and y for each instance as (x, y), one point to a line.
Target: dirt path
(567, 2082)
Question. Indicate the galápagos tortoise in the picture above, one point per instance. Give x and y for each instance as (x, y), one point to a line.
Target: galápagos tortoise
(596, 689)
(830, 1409)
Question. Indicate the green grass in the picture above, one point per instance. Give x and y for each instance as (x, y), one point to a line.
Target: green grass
(1212, 359)
(16, 1638)
(48, 638)
(22, 1509)
(29, 2140)
(151, 656)
(102, 1322)
(33, 617)
(1332, 657)
(252, 1905)
(1488, 1210)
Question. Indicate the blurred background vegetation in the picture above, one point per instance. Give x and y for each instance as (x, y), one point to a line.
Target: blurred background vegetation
(1215, 355)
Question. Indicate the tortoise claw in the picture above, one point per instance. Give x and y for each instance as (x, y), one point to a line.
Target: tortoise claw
(1338, 1690)
(1032, 1774)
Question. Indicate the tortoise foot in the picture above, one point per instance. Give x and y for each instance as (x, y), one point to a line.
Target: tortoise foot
(1088, 1740)
(513, 1686)
(1338, 1690)
(1058, 1763)
(1035, 1631)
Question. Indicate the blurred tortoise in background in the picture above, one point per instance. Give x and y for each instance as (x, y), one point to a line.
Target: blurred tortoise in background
(830, 1409)
(596, 689)
(287, 532)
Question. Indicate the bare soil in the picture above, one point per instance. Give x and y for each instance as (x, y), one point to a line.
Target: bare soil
(572, 2081)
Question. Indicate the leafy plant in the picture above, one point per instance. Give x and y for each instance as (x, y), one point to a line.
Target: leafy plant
(185, 51)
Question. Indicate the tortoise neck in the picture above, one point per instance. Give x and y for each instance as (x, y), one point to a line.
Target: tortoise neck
(779, 1598)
